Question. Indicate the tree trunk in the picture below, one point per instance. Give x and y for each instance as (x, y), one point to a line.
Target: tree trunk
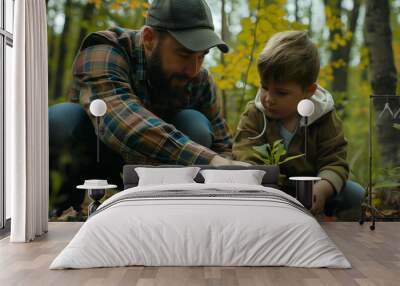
(379, 42)
(52, 41)
(51, 44)
(340, 55)
(225, 37)
(310, 18)
(340, 74)
(58, 86)
(336, 8)
(87, 15)
(296, 10)
(383, 76)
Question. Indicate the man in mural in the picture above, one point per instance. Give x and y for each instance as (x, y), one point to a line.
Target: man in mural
(162, 106)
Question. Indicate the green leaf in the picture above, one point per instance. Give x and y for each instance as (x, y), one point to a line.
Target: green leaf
(262, 149)
(272, 155)
(263, 159)
(291, 158)
(279, 152)
(277, 143)
(269, 149)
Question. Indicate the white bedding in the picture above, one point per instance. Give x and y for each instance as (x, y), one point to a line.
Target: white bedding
(183, 231)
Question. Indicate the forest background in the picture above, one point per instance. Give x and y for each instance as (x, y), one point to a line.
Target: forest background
(359, 43)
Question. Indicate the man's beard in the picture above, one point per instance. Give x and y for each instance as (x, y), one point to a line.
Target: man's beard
(165, 98)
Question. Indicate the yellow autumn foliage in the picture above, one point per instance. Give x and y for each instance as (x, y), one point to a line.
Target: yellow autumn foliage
(134, 4)
(335, 25)
(325, 75)
(116, 5)
(269, 20)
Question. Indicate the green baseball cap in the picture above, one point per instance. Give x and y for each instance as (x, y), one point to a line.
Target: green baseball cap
(188, 21)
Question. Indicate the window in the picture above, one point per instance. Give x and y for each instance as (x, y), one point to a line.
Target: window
(6, 64)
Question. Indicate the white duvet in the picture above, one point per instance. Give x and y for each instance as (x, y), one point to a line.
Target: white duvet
(183, 231)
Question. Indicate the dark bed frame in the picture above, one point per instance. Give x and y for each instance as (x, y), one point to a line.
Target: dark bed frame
(270, 179)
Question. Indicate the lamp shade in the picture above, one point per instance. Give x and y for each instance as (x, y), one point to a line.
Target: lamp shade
(305, 107)
(98, 107)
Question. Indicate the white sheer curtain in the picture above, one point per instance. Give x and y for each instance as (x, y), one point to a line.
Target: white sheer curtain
(27, 153)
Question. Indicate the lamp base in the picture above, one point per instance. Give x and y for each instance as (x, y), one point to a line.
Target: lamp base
(304, 193)
(95, 195)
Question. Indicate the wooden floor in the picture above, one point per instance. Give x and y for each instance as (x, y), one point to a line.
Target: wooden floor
(375, 256)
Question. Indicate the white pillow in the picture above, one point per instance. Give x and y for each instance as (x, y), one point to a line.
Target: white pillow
(248, 177)
(164, 176)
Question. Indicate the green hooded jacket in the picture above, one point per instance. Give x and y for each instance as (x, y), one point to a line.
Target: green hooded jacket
(326, 144)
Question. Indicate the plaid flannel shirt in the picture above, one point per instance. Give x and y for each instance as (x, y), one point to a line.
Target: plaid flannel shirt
(111, 66)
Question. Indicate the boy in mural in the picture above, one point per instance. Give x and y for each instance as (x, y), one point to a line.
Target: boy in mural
(161, 104)
(288, 68)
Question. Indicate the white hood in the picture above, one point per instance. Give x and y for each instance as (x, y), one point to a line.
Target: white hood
(323, 103)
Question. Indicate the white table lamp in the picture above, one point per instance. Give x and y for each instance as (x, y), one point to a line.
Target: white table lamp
(98, 108)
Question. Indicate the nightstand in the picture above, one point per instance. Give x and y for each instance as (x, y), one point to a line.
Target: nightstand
(96, 191)
(304, 189)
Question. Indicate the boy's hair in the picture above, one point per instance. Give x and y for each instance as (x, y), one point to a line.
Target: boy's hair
(289, 57)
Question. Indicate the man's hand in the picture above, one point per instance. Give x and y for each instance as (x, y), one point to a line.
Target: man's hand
(322, 191)
(220, 161)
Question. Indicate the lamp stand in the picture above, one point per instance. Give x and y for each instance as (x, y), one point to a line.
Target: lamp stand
(98, 141)
(305, 136)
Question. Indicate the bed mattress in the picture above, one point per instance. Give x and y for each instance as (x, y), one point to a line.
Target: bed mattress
(201, 225)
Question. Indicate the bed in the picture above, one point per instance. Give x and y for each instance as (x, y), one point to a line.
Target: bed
(201, 224)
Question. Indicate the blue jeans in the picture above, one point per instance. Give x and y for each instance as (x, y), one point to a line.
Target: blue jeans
(349, 199)
(195, 125)
(73, 151)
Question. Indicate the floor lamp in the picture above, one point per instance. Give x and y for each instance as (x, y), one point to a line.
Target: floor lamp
(374, 211)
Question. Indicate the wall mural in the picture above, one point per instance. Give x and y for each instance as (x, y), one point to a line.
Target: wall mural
(169, 97)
